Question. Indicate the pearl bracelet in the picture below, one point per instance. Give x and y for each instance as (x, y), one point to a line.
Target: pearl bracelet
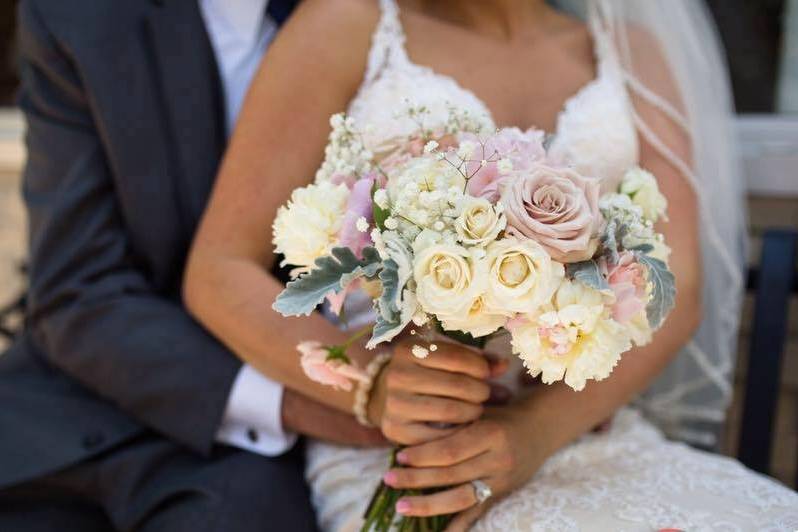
(363, 392)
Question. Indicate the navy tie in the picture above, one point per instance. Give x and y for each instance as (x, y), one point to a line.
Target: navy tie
(280, 10)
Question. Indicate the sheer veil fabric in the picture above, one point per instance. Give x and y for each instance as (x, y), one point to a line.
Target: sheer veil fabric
(674, 71)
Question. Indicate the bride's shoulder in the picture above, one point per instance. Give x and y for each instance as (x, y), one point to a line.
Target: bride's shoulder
(336, 17)
(329, 38)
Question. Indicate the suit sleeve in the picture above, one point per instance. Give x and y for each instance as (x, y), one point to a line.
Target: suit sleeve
(92, 310)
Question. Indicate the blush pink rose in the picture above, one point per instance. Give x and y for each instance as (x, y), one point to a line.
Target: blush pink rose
(333, 373)
(521, 148)
(627, 280)
(556, 207)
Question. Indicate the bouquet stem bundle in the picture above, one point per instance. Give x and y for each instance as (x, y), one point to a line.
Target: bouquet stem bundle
(380, 515)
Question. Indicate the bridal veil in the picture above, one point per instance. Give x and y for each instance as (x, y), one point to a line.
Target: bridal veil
(674, 70)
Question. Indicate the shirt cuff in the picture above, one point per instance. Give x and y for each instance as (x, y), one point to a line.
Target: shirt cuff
(253, 418)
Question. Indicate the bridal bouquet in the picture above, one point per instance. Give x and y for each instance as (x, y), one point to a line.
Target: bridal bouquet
(473, 235)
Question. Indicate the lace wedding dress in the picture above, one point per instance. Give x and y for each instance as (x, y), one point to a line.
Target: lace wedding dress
(627, 478)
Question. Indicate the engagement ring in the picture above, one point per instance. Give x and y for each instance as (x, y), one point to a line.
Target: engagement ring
(481, 491)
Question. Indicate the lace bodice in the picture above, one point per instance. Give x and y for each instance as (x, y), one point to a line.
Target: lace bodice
(594, 130)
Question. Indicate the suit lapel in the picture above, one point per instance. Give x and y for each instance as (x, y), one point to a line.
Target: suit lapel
(193, 108)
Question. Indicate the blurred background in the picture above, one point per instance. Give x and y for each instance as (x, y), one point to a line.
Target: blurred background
(761, 40)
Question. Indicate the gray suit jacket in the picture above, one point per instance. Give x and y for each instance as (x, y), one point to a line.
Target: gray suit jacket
(125, 132)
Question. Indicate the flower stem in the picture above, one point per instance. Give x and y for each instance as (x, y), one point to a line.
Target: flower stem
(359, 334)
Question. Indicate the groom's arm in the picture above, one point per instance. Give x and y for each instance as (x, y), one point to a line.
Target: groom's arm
(92, 309)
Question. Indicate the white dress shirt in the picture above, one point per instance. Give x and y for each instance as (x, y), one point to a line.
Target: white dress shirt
(240, 31)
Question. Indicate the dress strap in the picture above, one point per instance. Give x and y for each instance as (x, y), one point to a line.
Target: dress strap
(387, 42)
(601, 26)
(614, 57)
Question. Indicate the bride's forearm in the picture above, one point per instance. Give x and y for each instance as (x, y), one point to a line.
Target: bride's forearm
(232, 297)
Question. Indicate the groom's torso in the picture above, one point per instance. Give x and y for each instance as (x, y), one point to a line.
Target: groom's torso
(149, 77)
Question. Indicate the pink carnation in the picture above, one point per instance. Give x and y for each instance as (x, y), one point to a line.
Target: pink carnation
(333, 373)
(627, 279)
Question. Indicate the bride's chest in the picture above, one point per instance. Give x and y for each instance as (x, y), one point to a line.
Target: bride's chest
(592, 128)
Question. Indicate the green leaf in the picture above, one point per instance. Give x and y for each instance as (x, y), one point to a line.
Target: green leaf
(589, 273)
(337, 352)
(380, 214)
(663, 296)
(331, 274)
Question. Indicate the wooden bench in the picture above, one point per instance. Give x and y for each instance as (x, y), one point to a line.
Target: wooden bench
(769, 146)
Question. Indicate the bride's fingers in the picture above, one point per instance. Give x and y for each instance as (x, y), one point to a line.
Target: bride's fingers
(440, 383)
(478, 467)
(405, 433)
(457, 359)
(463, 521)
(444, 502)
(460, 446)
(412, 407)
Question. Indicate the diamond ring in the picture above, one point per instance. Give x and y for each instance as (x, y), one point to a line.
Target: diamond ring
(482, 491)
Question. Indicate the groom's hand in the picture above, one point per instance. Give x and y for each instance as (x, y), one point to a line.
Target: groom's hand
(309, 418)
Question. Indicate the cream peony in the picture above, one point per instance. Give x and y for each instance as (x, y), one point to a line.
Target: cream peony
(448, 279)
(573, 338)
(558, 208)
(642, 187)
(478, 319)
(306, 228)
(521, 275)
(479, 222)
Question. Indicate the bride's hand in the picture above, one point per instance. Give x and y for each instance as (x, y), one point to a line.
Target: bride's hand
(498, 449)
(447, 387)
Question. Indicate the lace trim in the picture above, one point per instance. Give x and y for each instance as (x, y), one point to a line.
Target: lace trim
(386, 42)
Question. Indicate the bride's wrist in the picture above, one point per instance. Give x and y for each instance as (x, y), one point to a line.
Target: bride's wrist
(366, 404)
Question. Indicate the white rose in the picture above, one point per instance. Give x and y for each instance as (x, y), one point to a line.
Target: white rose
(521, 275)
(642, 187)
(479, 222)
(448, 279)
(478, 320)
(306, 228)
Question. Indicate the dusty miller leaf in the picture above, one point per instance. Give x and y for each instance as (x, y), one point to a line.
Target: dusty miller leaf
(393, 313)
(663, 296)
(588, 272)
(609, 242)
(331, 274)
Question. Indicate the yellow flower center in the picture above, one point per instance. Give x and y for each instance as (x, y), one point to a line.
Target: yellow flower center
(513, 270)
(447, 272)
